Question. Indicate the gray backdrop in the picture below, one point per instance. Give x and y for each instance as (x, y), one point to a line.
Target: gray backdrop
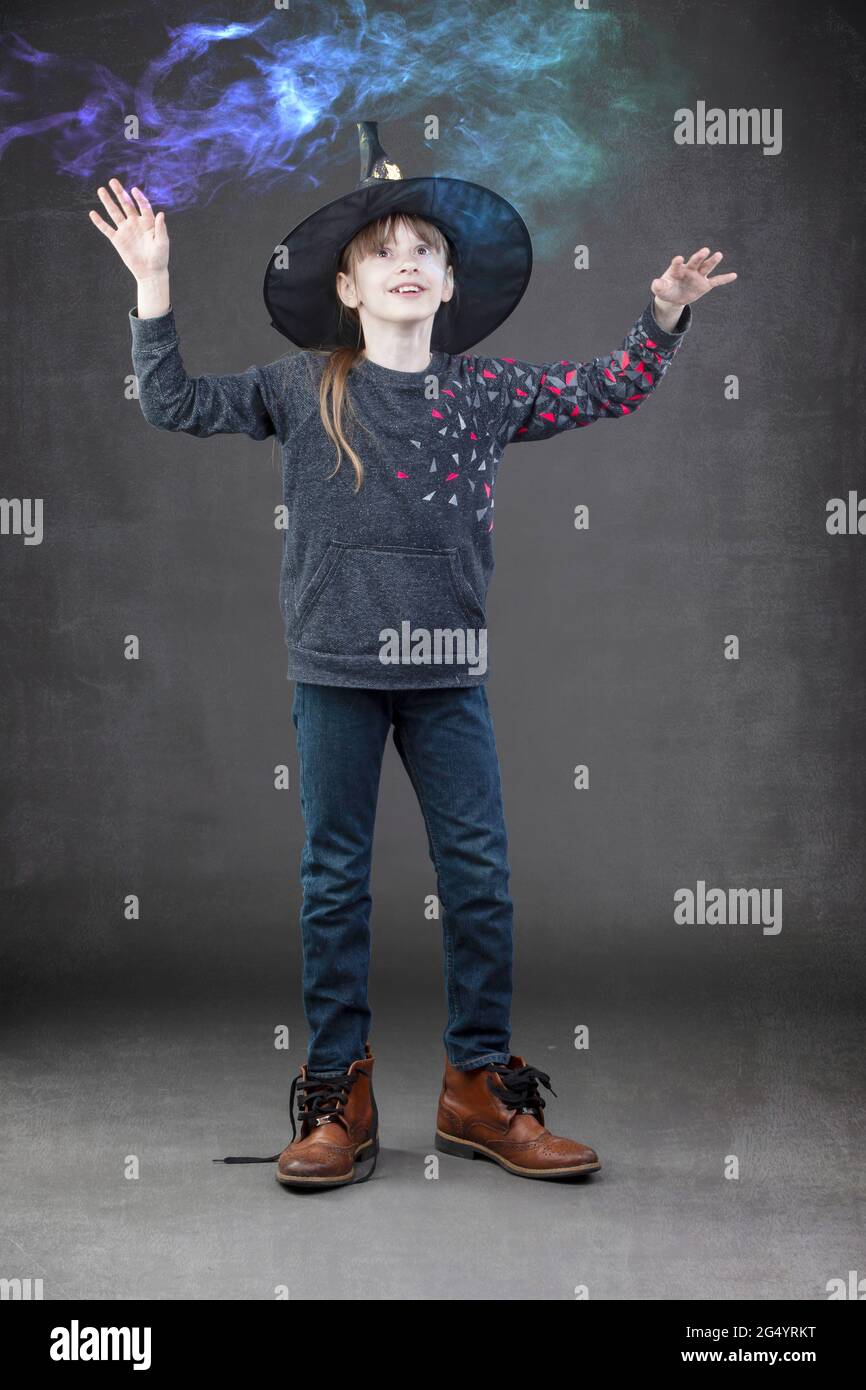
(155, 777)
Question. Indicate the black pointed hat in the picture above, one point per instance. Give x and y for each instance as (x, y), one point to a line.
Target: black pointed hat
(491, 242)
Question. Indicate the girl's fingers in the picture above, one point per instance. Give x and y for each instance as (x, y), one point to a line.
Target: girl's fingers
(126, 201)
(700, 261)
(118, 218)
(102, 225)
(144, 207)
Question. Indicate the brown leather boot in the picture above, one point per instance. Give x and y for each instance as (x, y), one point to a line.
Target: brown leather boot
(339, 1138)
(496, 1112)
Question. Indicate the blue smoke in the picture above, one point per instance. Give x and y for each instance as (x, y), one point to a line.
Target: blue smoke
(537, 100)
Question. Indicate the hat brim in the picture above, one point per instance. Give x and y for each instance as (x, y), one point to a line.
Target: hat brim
(492, 243)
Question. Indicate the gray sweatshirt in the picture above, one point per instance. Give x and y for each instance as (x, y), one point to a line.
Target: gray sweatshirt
(387, 587)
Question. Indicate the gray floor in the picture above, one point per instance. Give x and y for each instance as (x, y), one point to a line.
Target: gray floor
(661, 1100)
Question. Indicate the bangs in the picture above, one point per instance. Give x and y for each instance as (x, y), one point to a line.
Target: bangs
(376, 235)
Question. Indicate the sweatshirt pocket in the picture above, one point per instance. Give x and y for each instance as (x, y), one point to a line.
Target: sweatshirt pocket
(357, 591)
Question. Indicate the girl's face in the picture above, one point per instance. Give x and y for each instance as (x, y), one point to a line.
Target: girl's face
(404, 260)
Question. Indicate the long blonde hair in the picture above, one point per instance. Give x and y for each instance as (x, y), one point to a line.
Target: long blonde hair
(333, 393)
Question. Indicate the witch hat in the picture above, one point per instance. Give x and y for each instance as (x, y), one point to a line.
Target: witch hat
(490, 239)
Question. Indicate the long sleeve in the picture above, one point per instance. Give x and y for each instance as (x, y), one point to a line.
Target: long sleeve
(533, 402)
(204, 405)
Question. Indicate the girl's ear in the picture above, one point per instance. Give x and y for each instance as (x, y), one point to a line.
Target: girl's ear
(345, 288)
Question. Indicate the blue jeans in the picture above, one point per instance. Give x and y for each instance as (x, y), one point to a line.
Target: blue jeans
(445, 740)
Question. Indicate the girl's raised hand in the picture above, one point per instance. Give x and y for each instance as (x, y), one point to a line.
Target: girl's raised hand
(139, 238)
(685, 281)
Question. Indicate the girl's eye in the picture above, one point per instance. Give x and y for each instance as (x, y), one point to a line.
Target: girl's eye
(422, 247)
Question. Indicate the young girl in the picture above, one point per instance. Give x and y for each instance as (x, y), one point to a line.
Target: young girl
(385, 572)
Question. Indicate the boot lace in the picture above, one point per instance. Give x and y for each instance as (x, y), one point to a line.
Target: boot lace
(320, 1100)
(520, 1091)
